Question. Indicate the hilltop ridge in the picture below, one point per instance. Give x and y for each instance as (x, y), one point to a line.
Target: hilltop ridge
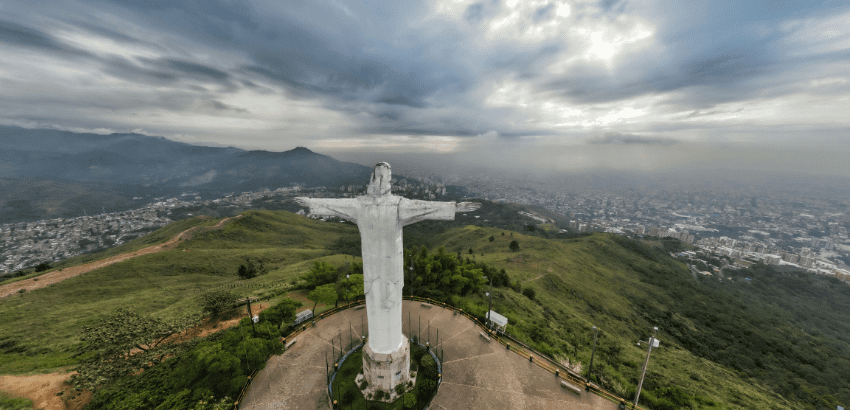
(50, 173)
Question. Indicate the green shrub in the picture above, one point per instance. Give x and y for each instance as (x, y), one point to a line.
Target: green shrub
(216, 302)
(205, 370)
(416, 353)
(409, 401)
(428, 367)
(348, 396)
(280, 313)
(14, 403)
(399, 389)
(426, 389)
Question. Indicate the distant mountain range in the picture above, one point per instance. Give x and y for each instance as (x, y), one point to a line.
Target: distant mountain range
(48, 173)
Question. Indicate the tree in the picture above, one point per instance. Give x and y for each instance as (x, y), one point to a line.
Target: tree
(320, 273)
(280, 313)
(470, 251)
(124, 343)
(514, 246)
(492, 238)
(217, 301)
(250, 269)
(325, 294)
(409, 400)
(529, 293)
(41, 267)
(215, 366)
(350, 288)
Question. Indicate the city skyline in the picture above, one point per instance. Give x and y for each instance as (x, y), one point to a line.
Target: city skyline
(555, 85)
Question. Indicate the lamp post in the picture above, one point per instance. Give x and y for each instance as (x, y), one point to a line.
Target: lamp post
(592, 353)
(653, 342)
(251, 315)
(489, 302)
(411, 270)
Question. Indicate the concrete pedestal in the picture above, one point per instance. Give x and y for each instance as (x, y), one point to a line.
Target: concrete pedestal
(385, 371)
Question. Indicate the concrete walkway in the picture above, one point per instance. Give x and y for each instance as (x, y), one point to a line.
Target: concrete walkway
(476, 374)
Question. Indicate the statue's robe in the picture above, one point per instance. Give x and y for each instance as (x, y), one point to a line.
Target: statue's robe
(380, 221)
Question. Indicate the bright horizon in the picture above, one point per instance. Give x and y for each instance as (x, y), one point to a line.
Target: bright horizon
(550, 85)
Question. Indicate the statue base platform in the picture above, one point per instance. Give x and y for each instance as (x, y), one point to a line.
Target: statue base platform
(386, 371)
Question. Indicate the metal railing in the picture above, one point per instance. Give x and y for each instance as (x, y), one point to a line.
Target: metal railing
(518, 347)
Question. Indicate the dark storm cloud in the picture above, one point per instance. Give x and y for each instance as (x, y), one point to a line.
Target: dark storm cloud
(402, 68)
(725, 67)
(544, 13)
(713, 54)
(474, 12)
(616, 138)
(218, 105)
(187, 69)
(21, 36)
(616, 6)
(123, 68)
(112, 34)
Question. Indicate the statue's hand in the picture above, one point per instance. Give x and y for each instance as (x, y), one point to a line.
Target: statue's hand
(467, 206)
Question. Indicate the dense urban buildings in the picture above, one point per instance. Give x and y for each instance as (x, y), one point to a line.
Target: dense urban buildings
(805, 227)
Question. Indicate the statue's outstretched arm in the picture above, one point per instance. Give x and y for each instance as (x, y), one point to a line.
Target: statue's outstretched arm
(467, 206)
(345, 208)
(411, 211)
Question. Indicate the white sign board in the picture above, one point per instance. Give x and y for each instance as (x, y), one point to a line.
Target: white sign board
(655, 343)
(255, 319)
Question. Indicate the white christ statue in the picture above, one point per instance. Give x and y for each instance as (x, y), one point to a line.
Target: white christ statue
(380, 216)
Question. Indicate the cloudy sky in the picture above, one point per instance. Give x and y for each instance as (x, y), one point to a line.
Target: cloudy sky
(760, 84)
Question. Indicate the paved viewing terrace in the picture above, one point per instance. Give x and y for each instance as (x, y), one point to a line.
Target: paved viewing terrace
(477, 373)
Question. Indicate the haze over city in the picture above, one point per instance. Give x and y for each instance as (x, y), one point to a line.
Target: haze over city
(554, 85)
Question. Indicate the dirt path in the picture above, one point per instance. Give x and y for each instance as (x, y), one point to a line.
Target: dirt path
(529, 280)
(40, 388)
(59, 275)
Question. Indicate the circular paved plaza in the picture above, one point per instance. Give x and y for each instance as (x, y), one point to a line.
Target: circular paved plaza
(477, 374)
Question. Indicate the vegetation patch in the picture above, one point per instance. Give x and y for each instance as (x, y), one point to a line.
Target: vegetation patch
(349, 394)
(205, 373)
(14, 403)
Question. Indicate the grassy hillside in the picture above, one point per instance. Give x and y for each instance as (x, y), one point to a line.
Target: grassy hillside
(740, 342)
(40, 329)
(156, 237)
(558, 289)
(595, 281)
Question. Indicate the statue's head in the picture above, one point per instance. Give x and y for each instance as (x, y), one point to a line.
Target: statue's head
(379, 185)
